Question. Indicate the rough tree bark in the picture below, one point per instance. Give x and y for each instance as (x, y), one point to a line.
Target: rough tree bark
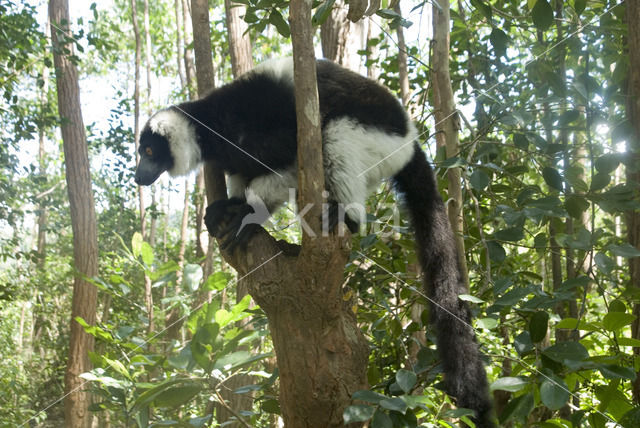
(83, 216)
(633, 168)
(447, 121)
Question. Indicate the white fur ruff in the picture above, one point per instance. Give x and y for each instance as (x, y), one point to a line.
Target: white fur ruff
(181, 134)
(280, 68)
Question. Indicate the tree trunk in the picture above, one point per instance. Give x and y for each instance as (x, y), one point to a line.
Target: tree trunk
(239, 41)
(179, 41)
(83, 218)
(334, 34)
(189, 65)
(447, 122)
(148, 296)
(241, 62)
(403, 72)
(633, 173)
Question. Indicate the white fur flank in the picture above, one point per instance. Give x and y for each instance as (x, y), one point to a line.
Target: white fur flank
(272, 189)
(357, 158)
(181, 134)
(281, 68)
(236, 185)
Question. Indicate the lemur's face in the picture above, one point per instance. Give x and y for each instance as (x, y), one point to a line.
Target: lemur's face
(155, 157)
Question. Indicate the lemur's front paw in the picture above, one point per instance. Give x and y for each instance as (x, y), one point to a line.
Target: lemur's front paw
(230, 221)
(220, 214)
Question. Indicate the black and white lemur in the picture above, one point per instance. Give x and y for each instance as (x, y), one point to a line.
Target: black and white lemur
(248, 127)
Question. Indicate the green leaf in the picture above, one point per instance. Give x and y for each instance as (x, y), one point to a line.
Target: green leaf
(600, 181)
(479, 180)
(511, 384)
(217, 281)
(276, 19)
(322, 12)
(572, 351)
(358, 413)
(612, 371)
(631, 418)
(579, 6)
(177, 395)
(553, 178)
(573, 323)
(542, 15)
(538, 326)
(614, 321)
(626, 250)
(604, 263)
(554, 393)
(496, 252)
(192, 276)
(224, 317)
(629, 341)
(568, 116)
(522, 343)
(483, 8)
(136, 244)
(369, 396)
(470, 298)
(381, 420)
(406, 379)
(499, 40)
(453, 162)
(118, 367)
(576, 205)
(394, 403)
(147, 253)
(511, 234)
(608, 163)
(521, 141)
(487, 323)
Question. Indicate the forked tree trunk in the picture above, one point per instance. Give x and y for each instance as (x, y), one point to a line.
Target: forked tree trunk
(447, 122)
(334, 34)
(83, 218)
(633, 173)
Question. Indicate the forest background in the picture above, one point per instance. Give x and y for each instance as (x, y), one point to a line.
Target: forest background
(542, 187)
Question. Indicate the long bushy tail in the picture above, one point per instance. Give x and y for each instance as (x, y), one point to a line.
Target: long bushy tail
(464, 374)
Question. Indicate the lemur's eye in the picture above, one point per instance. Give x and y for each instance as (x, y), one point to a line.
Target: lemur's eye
(148, 151)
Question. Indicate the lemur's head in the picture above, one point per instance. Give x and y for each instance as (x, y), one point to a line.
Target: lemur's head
(168, 142)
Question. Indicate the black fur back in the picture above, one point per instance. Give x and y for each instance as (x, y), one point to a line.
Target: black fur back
(465, 377)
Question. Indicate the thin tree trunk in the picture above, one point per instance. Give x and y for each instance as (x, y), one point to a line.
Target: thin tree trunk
(214, 178)
(241, 62)
(174, 322)
(148, 296)
(147, 52)
(189, 65)
(633, 177)
(403, 71)
(239, 41)
(447, 123)
(179, 40)
(83, 219)
(334, 34)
